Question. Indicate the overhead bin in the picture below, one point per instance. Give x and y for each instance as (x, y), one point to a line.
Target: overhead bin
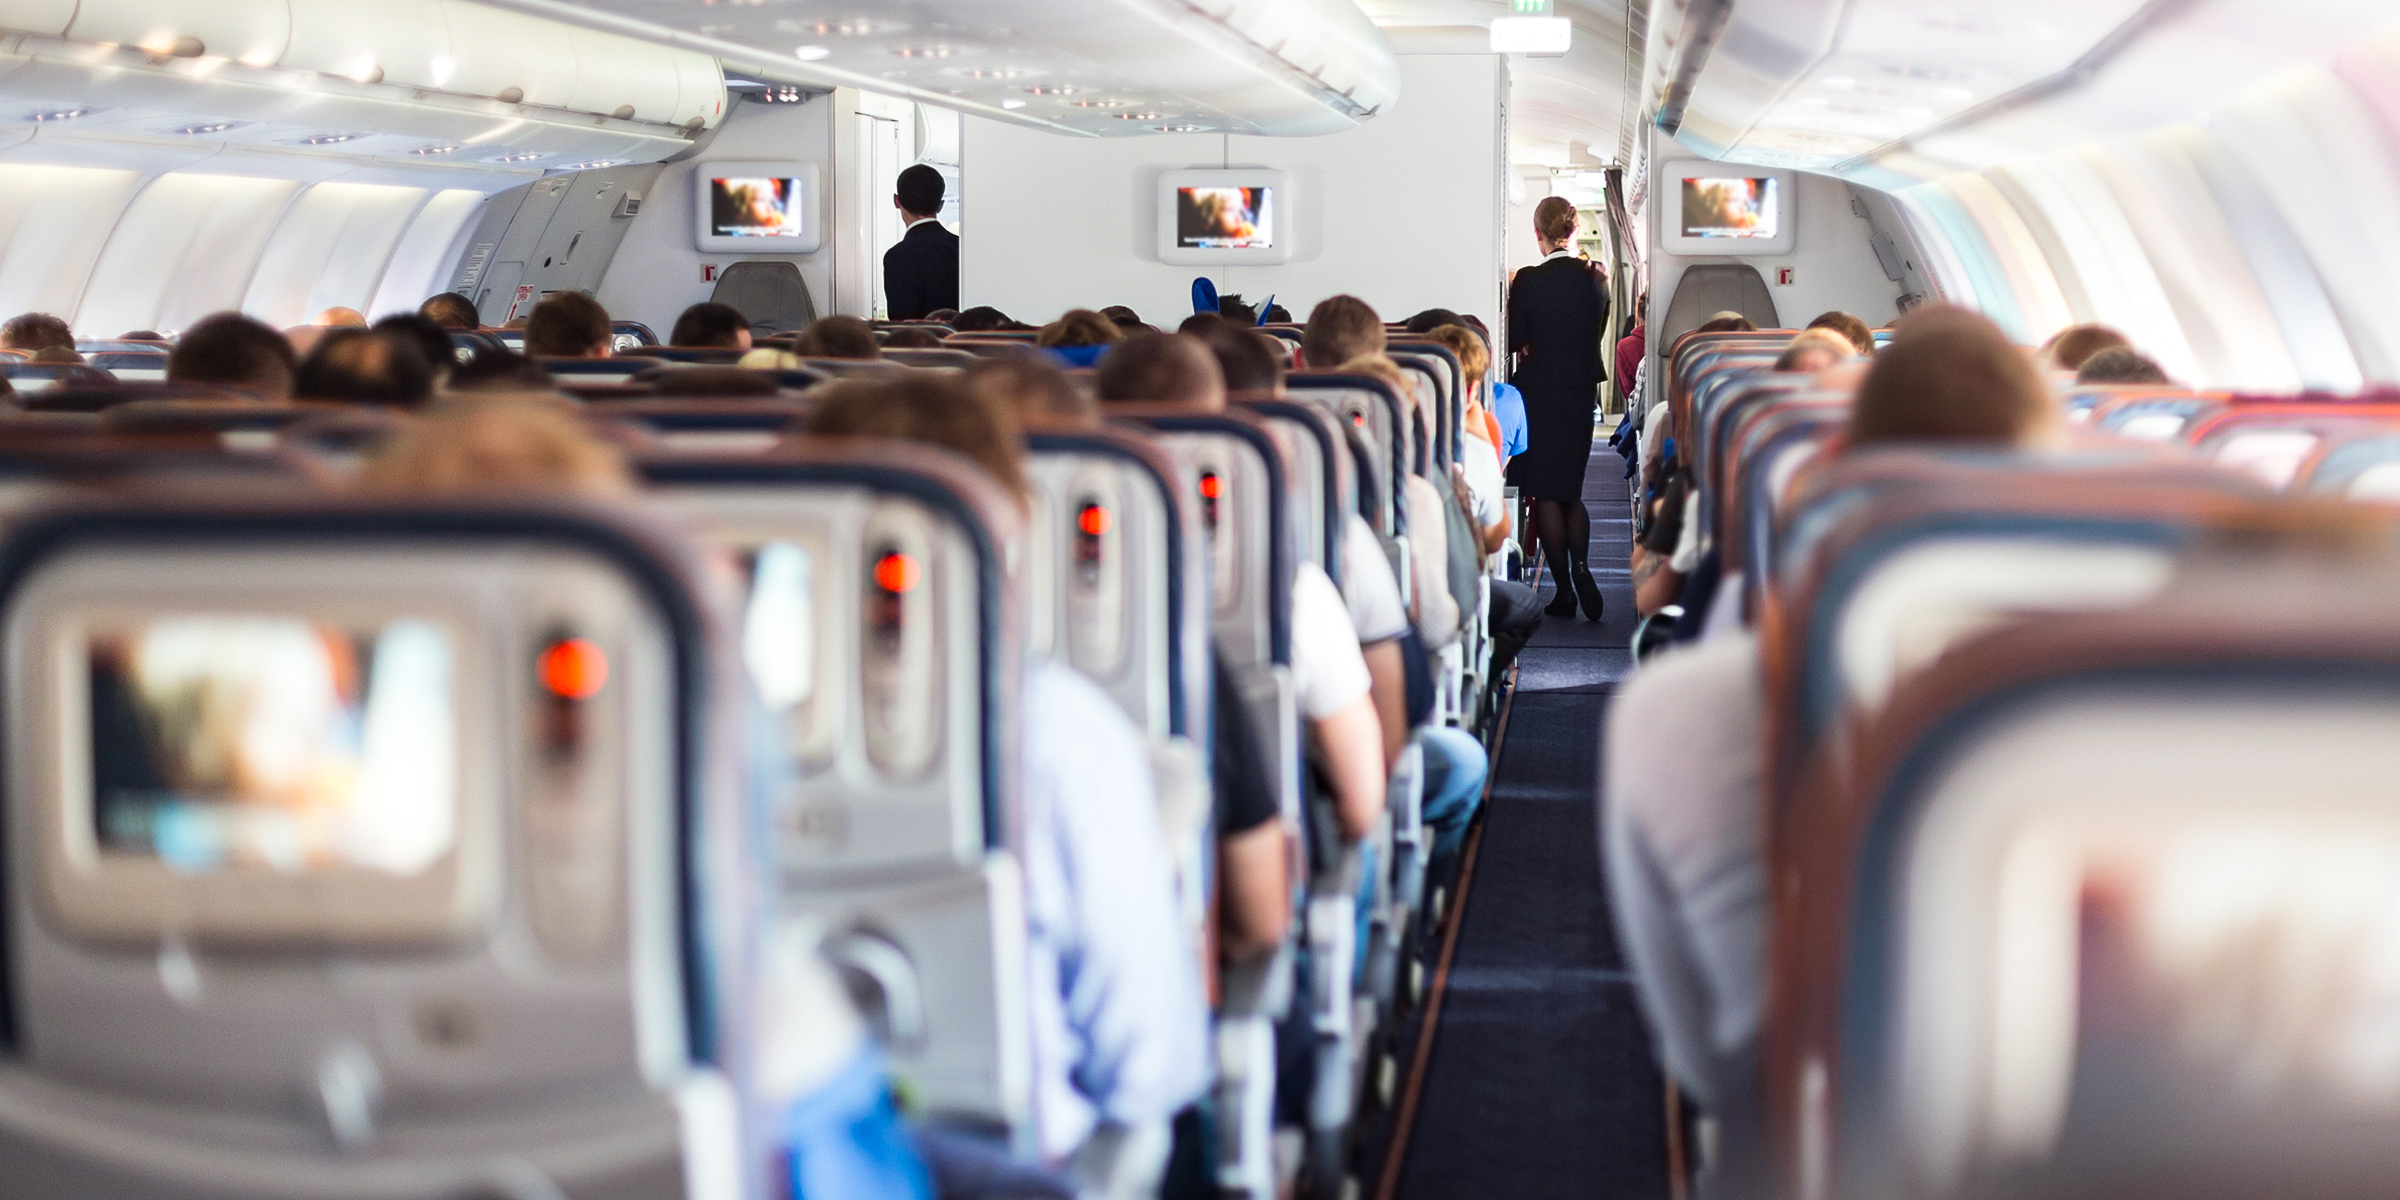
(416, 81)
(1097, 67)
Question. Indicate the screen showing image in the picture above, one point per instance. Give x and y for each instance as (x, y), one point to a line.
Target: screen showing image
(1731, 208)
(754, 207)
(1225, 218)
(274, 743)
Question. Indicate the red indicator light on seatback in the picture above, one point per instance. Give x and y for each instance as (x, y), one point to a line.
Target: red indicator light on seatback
(1212, 485)
(897, 573)
(1093, 520)
(573, 669)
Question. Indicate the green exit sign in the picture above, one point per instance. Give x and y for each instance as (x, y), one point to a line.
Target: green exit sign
(1530, 8)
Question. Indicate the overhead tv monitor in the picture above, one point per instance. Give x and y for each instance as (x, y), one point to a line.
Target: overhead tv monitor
(1711, 208)
(750, 207)
(1224, 217)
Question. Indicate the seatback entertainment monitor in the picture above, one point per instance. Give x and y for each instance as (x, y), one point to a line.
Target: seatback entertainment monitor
(1710, 208)
(747, 207)
(1224, 217)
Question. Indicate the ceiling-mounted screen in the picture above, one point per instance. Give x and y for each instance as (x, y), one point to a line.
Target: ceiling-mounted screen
(1224, 217)
(756, 207)
(1727, 209)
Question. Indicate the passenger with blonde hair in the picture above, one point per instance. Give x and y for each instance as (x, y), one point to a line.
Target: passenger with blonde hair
(1814, 350)
(503, 444)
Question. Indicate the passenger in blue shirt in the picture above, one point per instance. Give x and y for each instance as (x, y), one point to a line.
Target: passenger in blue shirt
(1508, 408)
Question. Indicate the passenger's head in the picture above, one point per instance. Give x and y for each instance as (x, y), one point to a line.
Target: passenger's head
(341, 317)
(943, 315)
(708, 324)
(231, 350)
(567, 325)
(33, 331)
(140, 335)
(1815, 350)
(432, 340)
(909, 337)
(1275, 314)
(982, 318)
(59, 355)
(1852, 330)
(450, 311)
(1432, 319)
(838, 337)
(1233, 309)
(1951, 376)
(2070, 346)
(1123, 316)
(1249, 361)
(1341, 328)
(2120, 364)
(1727, 322)
(1171, 367)
(500, 370)
(924, 406)
(1474, 358)
(919, 193)
(1079, 327)
(492, 444)
(360, 366)
(1033, 387)
(1554, 221)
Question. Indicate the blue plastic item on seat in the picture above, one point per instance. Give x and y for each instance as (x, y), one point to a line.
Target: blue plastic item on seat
(1204, 295)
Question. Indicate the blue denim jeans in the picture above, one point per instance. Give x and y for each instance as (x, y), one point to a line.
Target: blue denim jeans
(1454, 769)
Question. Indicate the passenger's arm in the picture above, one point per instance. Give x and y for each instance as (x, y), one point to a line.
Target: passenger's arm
(1352, 742)
(1255, 867)
(1655, 584)
(1388, 687)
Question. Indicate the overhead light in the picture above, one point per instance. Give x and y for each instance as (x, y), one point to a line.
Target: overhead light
(593, 165)
(1183, 129)
(994, 73)
(1137, 116)
(331, 139)
(59, 114)
(210, 127)
(429, 150)
(1054, 89)
(936, 50)
(782, 94)
(812, 53)
(1012, 103)
(1102, 102)
(1546, 37)
(518, 158)
(846, 27)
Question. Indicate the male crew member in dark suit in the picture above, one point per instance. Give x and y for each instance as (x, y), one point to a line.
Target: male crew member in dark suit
(921, 273)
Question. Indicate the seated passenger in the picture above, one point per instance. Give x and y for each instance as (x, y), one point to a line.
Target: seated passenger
(450, 311)
(1340, 329)
(358, 366)
(982, 318)
(493, 372)
(943, 316)
(35, 331)
(2121, 364)
(140, 335)
(1814, 351)
(60, 355)
(909, 337)
(1686, 742)
(1120, 1021)
(432, 341)
(838, 337)
(497, 445)
(1727, 322)
(341, 317)
(567, 325)
(1432, 319)
(231, 350)
(1516, 612)
(1171, 368)
(1034, 388)
(1079, 337)
(1125, 318)
(2068, 348)
(720, 326)
(1852, 330)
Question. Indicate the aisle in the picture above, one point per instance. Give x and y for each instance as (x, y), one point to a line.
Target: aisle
(1541, 1082)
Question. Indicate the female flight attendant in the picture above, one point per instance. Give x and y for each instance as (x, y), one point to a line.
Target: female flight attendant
(1554, 314)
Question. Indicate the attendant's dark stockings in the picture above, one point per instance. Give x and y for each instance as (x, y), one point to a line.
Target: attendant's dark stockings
(1565, 531)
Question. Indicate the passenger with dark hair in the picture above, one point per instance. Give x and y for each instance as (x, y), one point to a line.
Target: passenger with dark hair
(360, 366)
(1275, 314)
(911, 337)
(1727, 322)
(1034, 388)
(1172, 368)
(1251, 365)
(1340, 329)
(1432, 319)
(35, 331)
(718, 326)
(230, 350)
(2121, 364)
(450, 311)
(1852, 329)
(838, 337)
(982, 318)
(567, 325)
(1123, 316)
(2066, 349)
(1951, 375)
(1554, 313)
(500, 370)
(432, 341)
(141, 335)
(1233, 309)
(920, 273)
(1119, 1016)
(943, 315)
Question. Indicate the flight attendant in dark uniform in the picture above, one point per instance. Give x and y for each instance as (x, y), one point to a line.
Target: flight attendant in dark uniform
(1554, 313)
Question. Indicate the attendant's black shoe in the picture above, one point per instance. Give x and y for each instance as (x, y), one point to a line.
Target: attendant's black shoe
(1563, 604)
(1586, 590)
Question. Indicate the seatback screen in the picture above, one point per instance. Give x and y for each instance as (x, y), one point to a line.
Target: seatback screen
(1732, 208)
(766, 207)
(1225, 218)
(259, 742)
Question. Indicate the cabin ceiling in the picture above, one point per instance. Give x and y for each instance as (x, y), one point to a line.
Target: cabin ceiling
(1079, 67)
(1575, 111)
